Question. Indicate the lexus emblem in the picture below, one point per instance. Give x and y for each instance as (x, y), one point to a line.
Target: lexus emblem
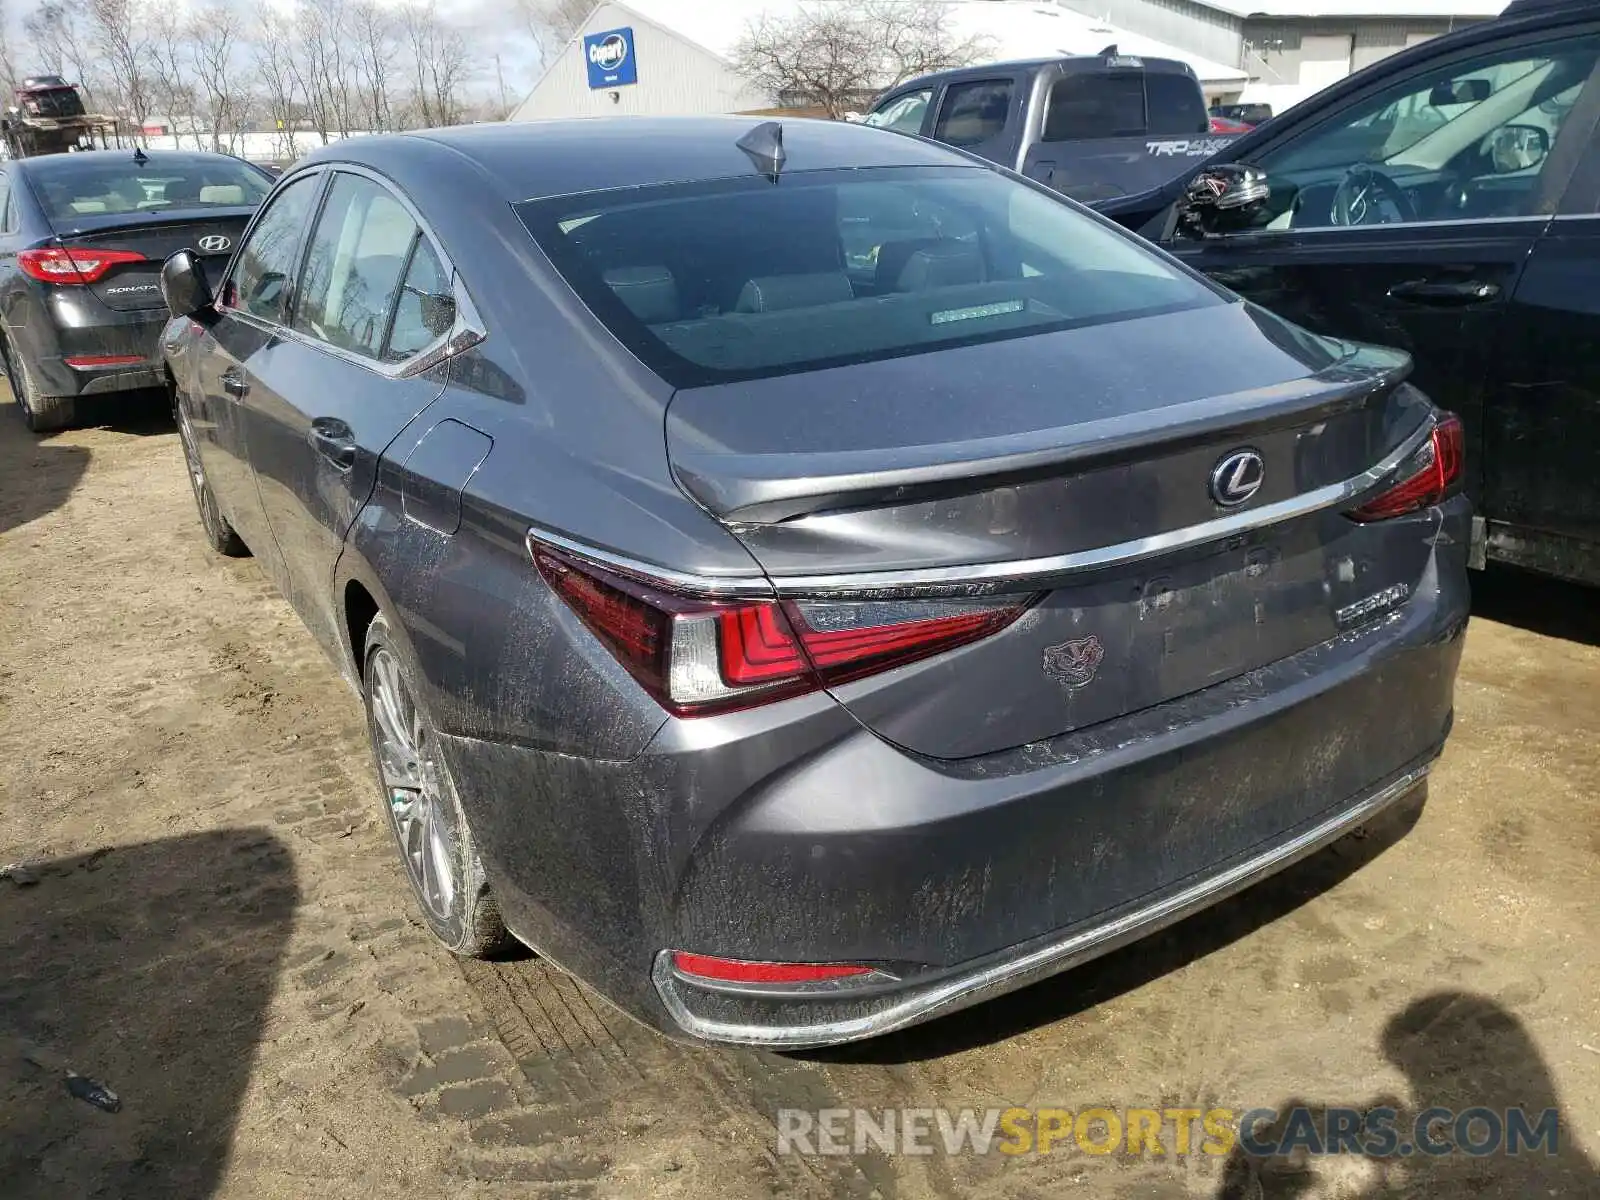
(215, 243)
(1073, 664)
(1237, 477)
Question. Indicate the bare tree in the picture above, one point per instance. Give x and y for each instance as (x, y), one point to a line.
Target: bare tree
(117, 34)
(439, 58)
(274, 61)
(9, 76)
(168, 66)
(57, 32)
(553, 23)
(322, 65)
(373, 34)
(214, 33)
(837, 55)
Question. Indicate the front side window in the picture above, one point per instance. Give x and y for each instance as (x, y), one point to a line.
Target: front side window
(1464, 142)
(358, 255)
(264, 268)
(737, 279)
(903, 114)
(973, 112)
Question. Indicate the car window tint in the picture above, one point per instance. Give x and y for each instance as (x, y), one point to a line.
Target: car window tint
(973, 112)
(265, 266)
(1095, 104)
(425, 310)
(1464, 142)
(352, 276)
(92, 185)
(1174, 103)
(903, 114)
(720, 280)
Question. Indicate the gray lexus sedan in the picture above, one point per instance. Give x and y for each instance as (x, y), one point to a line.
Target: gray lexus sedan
(804, 580)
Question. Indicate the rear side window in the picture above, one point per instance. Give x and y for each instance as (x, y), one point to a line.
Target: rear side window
(1106, 104)
(425, 308)
(1174, 104)
(1095, 105)
(904, 114)
(265, 266)
(5, 203)
(973, 112)
(736, 279)
(109, 184)
(357, 258)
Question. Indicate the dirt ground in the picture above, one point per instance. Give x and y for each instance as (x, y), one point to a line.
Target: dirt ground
(218, 931)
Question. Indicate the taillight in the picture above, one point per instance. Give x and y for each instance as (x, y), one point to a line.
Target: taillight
(737, 970)
(699, 654)
(1426, 478)
(73, 264)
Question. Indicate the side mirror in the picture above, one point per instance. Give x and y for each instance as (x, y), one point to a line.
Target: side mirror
(1460, 91)
(1514, 148)
(184, 285)
(1223, 197)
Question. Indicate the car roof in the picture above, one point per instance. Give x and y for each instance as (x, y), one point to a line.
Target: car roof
(1070, 62)
(529, 160)
(44, 165)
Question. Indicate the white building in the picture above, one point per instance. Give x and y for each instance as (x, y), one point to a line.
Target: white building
(673, 56)
(1292, 48)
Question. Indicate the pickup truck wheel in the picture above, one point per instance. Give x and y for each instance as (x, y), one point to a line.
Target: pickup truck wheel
(222, 536)
(41, 413)
(425, 815)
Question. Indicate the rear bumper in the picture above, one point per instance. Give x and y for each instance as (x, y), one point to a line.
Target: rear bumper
(789, 833)
(826, 1016)
(77, 327)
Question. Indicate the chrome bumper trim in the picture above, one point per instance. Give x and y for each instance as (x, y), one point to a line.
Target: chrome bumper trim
(997, 978)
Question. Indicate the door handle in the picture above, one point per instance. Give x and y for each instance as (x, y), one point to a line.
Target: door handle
(1445, 294)
(233, 383)
(334, 440)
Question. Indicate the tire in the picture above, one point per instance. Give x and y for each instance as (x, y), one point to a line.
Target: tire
(437, 851)
(42, 414)
(220, 534)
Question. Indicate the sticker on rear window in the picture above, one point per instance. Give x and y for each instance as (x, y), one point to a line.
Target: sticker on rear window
(972, 313)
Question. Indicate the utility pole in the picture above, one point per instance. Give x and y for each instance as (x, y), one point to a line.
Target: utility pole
(505, 109)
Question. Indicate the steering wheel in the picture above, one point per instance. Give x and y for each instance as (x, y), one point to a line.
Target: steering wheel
(1360, 198)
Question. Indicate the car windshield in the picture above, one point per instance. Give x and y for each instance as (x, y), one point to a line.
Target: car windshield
(736, 279)
(89, 185)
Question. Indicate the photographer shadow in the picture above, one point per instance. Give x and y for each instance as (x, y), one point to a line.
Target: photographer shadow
(148, 970)
(1458, 1051)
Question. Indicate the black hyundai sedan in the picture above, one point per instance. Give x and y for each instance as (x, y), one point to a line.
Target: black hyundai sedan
(82, 239)
(802, 579)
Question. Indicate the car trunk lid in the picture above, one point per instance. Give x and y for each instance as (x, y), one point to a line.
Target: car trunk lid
(135, 284)
(1074, 470)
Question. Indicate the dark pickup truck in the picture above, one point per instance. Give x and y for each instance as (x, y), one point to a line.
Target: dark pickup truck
(1090, 126)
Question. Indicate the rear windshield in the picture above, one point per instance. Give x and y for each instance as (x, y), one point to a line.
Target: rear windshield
(89, 185)
(1086, 105)
(736, 279)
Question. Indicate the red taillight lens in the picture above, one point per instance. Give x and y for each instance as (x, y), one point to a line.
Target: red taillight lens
(735, 970)
(90, 361)
(697, 655)
(1428, 477)
(73, 264)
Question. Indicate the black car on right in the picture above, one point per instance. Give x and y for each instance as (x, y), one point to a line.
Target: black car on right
(1445, 200)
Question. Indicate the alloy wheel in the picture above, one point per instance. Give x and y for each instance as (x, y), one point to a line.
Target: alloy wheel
(419, 802)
